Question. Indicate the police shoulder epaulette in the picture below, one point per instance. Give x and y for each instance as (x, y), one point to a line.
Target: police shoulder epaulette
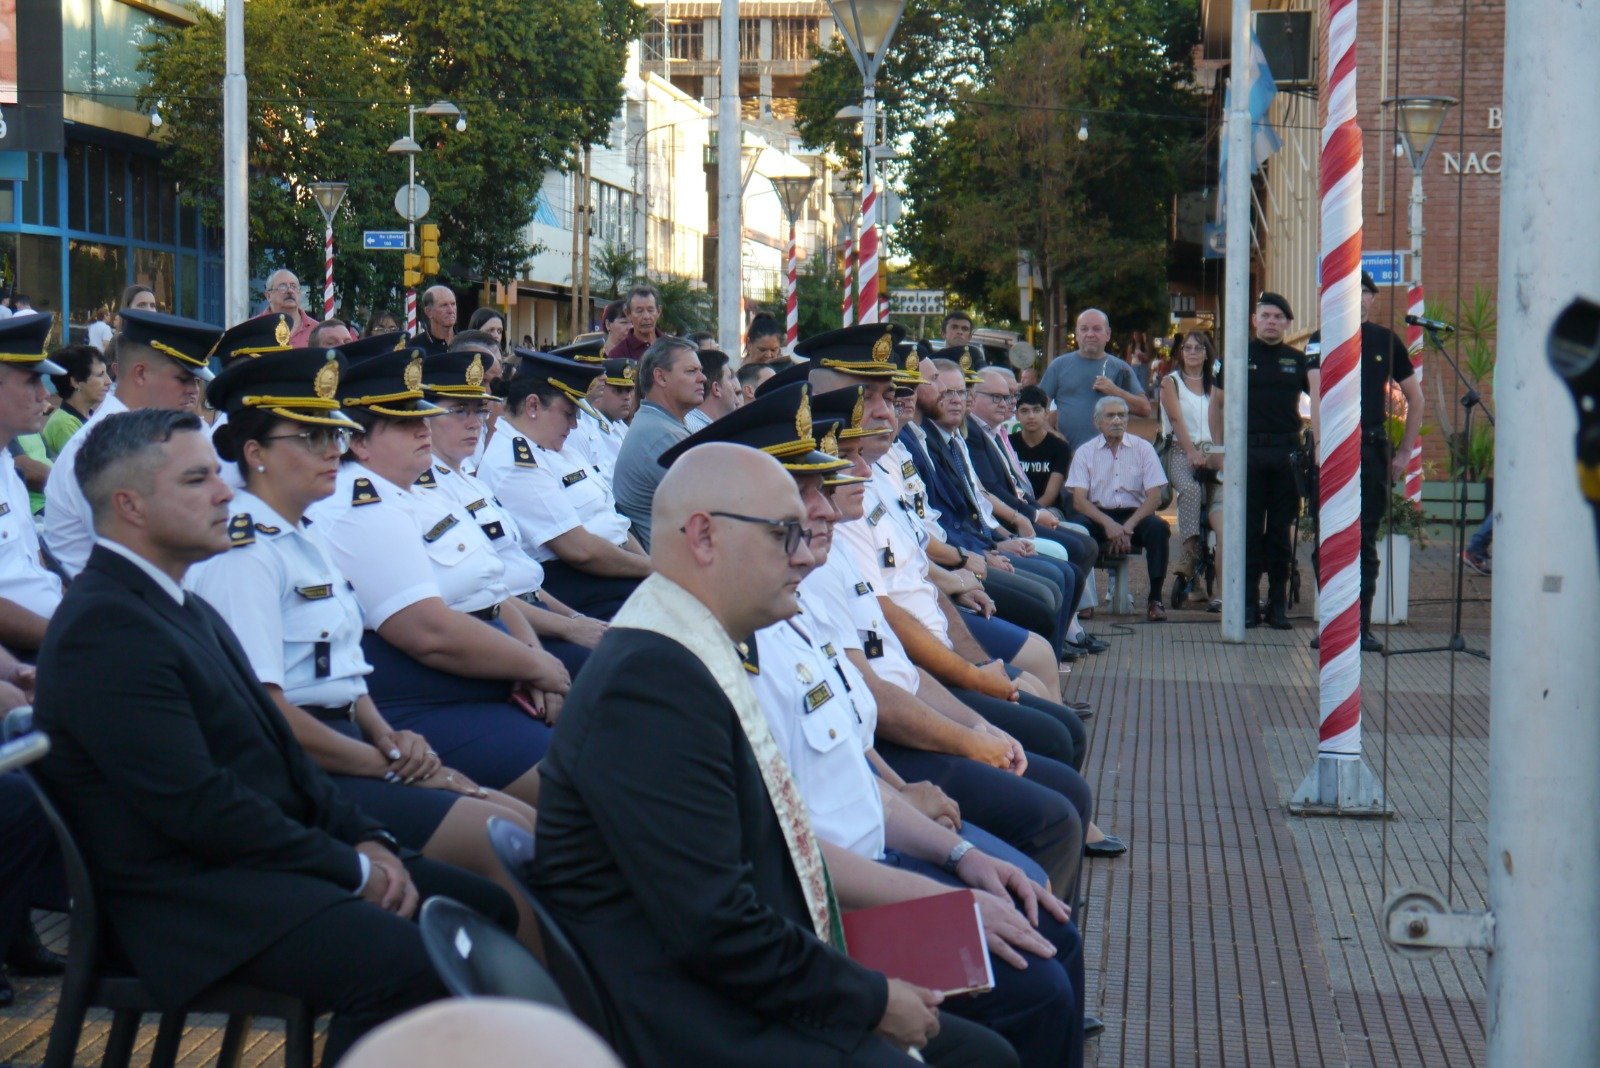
(521, 454)
(241, 531)
(263, 528)
(364, 493)
(426, 480)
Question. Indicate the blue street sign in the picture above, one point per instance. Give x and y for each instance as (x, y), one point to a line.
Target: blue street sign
(395, 239)
(1386, 268)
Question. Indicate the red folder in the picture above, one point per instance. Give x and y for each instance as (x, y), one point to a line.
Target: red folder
(935, 942)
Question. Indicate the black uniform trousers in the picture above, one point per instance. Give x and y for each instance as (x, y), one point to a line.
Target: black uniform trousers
(30, 863)
(366, 965)
(1271, 501)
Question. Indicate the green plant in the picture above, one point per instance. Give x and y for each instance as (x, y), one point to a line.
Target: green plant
(1477, 330)
(1404, 517)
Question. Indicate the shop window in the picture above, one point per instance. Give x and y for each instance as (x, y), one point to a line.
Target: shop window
(155, 269)
(97, 273)
(38, 271)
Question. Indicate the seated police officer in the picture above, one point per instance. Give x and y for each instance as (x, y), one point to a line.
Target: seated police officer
(29, 592)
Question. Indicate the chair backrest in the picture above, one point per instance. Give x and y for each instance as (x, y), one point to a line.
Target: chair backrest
(475, 958)
(514, 846)
(84, 930)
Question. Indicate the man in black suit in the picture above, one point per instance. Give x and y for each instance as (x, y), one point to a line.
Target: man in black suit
(673, 845)
(220, 850)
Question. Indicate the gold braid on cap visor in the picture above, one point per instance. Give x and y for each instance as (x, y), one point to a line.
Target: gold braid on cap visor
(183, 357)
(299, 410)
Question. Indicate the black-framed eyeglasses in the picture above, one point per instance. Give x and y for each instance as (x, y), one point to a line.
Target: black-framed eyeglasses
(318, 439)
(1002, 399)
(793, 532)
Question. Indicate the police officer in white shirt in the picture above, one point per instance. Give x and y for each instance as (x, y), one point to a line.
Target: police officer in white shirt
(588, 440)
(300, 624)
(568, 519)
(29, 592)
(453, 655)
(161, 363)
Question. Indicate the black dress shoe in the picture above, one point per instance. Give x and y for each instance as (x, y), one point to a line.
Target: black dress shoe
(1094, 645)
(1278, 617)
(1092, 1025)
(1370, 642)
(29, 957)
(1071, 654)
(1109, 846)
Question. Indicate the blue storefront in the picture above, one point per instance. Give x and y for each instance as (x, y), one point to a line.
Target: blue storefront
(78, 226)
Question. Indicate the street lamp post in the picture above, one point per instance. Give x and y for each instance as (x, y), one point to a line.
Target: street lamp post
(792, 193)
(329, 196)
(1418, 120)
(844, 214)
(407, 146)
(867, 26)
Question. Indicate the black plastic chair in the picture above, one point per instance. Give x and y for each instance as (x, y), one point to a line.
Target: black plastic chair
(477, 959)
(90, 982)
(514, 846)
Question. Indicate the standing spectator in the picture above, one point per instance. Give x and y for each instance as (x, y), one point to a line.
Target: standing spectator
(139, 298)
(763, 341)
(670, 384)
(1045, 456)
(1116, 481)
(81, 388)
(331, 333)
(642, 308)
(383, 321)
(491, 321)
(1077, 380)
(438, 319)
(283, 298)
(1476, 554)
(1185, 419)
(100, 332)
(722, 390)
(1139, 358)
(703, 339)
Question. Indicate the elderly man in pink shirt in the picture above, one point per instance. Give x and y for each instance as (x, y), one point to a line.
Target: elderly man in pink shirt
(1116, 482)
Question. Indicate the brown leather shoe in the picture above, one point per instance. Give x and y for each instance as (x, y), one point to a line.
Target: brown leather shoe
(1156, 613)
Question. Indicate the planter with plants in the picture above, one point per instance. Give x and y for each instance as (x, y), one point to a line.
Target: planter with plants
(1401, 525)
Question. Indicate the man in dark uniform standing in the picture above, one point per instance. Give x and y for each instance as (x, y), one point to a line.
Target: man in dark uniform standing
(1279, 373)
(1384, 359)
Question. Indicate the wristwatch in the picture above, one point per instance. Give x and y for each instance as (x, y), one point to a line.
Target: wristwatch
(383, 838)
(957, 851)
(963, 553)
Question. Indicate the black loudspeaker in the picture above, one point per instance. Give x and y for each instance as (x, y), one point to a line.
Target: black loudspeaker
(1287, 38)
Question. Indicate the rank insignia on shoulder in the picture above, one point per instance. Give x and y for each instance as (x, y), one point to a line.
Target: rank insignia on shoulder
(818, 696)
(264, 528)
(363, 493)
(439, 529)
(426, 480)
(522, 453)
(241, 531)
(315, 593)
(876, 517)
(493, 530)
(574, 478)
(477, 506)
(749, 657)
(863, 588)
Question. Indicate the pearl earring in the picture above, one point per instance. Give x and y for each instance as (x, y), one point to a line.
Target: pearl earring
(262, 468)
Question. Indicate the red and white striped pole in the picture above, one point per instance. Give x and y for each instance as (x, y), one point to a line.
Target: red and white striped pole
(1414, 306)
(867, 262)
(792, 294)
(847, 306)
(1339, 454)
(327, 274)
(411, 311)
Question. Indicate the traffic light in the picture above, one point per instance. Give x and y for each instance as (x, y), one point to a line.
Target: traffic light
(413, 275)
(428, 233)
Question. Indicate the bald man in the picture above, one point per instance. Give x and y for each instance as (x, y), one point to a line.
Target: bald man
(1077, 380)
(283, 298)
(438, 306)
(671, 844)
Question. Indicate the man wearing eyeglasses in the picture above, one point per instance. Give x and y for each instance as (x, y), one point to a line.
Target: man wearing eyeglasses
(283, 298)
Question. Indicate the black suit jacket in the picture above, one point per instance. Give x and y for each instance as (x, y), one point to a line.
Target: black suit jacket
(660, 854)
(990, 465)
(208, 831)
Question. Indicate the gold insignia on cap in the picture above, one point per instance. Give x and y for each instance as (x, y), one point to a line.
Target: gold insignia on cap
(475, 371)
(281, 332)
(830, 443)
(883, 348)
(966, 361)
(400, 342)
(802, 417)
(628, 372)
(326, 383)
(855, 413)
(413, 375)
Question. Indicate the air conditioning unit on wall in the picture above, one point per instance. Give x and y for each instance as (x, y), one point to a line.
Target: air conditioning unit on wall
(1287, 40)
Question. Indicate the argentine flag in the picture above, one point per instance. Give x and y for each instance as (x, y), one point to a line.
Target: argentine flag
(1264, 140)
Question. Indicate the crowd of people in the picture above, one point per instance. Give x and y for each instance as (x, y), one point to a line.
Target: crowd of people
(745, 640)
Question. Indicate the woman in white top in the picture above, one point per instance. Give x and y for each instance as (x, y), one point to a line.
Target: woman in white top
(300, 624)
(1185, 407)
(457, 381)
(452, 653)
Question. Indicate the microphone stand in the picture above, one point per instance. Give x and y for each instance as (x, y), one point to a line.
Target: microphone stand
(1471, 400)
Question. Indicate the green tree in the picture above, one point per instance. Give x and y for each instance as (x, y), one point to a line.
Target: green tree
(611, 268)
(686, 304)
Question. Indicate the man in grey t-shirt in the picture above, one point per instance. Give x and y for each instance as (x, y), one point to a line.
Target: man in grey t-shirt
(671, 385)
(1077, 380)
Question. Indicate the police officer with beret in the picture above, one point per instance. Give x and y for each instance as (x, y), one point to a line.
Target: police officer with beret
(1278, 374)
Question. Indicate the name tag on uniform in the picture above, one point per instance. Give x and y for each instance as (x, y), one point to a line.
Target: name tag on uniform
(315, 593)
(322, 659)
(1289, 365)
(827, 648)
(574, 478)
(907, 469)
(477, 506)
(440, 528)
(5, 509)
(876, 517)
(493, 530)
(871, 644)
(818, 696)
(863, 588)
(887, 556)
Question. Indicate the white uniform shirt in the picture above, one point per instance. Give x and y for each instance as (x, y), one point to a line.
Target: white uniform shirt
(523, 572)
(814, 723)
(68, 524)
(886, 545)
(549, 493)
(293, 612)
(909, 482)
(23, 579)
(398, 545)
(835, 633)
(840, 590)
(604, 441)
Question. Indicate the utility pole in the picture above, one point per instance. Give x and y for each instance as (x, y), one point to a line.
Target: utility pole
(235, 171)
(730, 190)
(586, 306)
(580, 181)
(1236, 335)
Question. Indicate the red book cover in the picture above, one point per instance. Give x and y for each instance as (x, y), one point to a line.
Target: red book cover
(936, 942)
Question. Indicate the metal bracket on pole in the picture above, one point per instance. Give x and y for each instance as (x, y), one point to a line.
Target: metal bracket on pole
(1417, 924)
(1340, 785)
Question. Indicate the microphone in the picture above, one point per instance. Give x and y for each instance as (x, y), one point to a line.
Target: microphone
(1429, 324)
